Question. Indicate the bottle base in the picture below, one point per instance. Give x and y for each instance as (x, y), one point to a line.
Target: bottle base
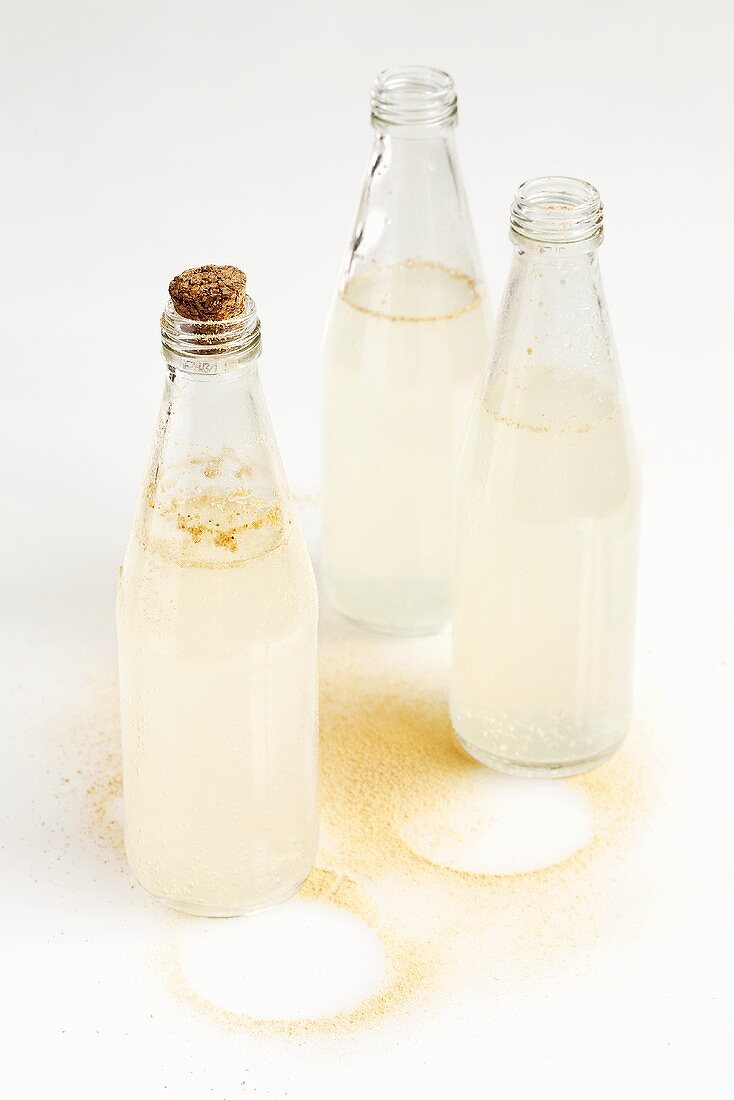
(395, 630)
(194, 910)
(243, 909)
(390, 609)
(536, 769)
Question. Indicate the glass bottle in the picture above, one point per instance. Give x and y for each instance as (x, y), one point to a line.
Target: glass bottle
(404, 349)
(544, 609)
(217, 618)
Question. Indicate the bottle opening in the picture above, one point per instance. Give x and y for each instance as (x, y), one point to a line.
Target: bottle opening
(210, 347)
(414, 95)
(557, 210)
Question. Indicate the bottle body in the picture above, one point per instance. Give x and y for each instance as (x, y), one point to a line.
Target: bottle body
(399, 391)
(404, 348)
(217, 621)
(545, 597)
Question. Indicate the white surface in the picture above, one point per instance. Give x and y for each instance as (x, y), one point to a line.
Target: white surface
(276, 967)
(526, 825)
(140, 139)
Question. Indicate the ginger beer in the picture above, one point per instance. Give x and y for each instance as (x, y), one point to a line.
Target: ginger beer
(548, 512)
(405, 346)
(217, 618)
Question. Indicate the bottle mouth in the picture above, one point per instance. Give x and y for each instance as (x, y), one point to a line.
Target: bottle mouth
(210, 347)
(413, 95)
(557, 210)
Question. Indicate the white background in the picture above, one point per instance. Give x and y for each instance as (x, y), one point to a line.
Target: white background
(142, 138)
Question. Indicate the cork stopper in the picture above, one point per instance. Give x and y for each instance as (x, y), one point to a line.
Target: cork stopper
(209, 293)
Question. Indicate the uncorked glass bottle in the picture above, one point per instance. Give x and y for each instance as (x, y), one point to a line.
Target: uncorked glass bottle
(404, 350)
(217, 618)
(546, 572)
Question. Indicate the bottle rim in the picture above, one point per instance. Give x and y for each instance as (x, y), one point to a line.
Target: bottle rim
(557, 210)
(210, 347)
(413, 95)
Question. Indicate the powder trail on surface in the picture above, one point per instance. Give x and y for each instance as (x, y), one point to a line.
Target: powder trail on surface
(387, 754)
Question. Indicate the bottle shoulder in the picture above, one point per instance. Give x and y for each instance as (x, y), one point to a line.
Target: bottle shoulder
(413, 207)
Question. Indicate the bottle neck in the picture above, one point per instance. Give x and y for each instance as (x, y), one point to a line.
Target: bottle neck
(409, 138)
(214, 434)
(555, 217)
(207, 349)
(425, 163)
(414, 115)
(412, 100)
(224, 393)
(213, 404)
(554, 312)
(559, 258)
(413, 208)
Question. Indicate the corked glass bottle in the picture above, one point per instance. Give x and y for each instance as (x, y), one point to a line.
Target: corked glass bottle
(404, 350)
(217, 617)
(544, 611)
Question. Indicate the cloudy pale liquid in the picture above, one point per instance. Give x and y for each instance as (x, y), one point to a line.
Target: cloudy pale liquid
(546, 571)
(218, 664)
(404, 350)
